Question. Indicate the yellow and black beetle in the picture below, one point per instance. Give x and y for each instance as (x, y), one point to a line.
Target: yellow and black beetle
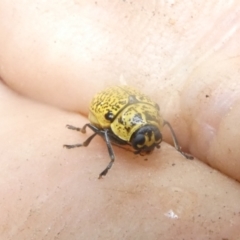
(124, 116)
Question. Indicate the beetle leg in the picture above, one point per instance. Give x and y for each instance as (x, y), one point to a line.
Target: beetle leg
(175, 141)
(111, 154)
(84, 144)
(103, 133)
(73, 128)
(82, 130)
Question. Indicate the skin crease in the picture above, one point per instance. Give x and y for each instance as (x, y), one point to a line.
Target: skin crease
(55, 55)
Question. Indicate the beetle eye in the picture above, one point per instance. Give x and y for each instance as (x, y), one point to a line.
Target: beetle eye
(158, 136)
(139, 139)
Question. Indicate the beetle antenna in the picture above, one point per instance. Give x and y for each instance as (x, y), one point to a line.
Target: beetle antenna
(175, 141)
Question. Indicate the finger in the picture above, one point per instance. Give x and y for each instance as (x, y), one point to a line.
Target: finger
(68, 59)
(215, 110)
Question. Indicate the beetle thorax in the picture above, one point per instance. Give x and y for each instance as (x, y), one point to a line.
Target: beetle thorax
(133, 118)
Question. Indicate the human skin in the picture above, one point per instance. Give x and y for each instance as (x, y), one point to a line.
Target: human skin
(55, 55)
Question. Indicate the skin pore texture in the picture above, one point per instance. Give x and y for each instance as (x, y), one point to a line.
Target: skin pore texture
(55, 55)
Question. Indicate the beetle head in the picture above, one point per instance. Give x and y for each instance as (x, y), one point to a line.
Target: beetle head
(145, 139)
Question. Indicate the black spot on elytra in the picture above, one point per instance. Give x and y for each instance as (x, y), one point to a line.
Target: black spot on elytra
(120, 120)
(128, 129)
(109, 116)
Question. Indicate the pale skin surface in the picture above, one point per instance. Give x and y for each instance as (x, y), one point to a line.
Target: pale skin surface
(186, 56)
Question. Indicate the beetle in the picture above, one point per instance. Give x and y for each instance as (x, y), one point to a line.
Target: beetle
(124, 116)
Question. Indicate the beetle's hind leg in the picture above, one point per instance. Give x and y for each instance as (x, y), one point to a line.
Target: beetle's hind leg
(84, 144)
